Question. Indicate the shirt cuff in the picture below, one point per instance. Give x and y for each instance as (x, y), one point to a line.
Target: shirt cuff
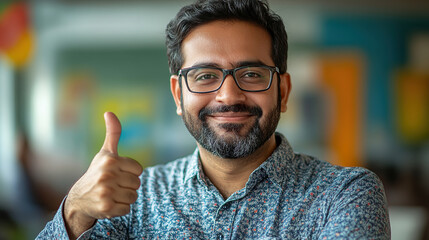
(59, 218)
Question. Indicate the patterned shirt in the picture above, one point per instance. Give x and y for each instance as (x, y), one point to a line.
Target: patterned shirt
(289, 196)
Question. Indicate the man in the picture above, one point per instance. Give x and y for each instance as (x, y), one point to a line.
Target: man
(229, 83)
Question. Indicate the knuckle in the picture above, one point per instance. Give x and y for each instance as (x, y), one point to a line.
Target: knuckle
(106, 176)
(110, 160)
(105, 192)
(137, 168)
(105, 207)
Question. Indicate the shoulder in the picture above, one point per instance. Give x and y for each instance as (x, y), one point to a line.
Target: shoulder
(309, 169)
(304, 172)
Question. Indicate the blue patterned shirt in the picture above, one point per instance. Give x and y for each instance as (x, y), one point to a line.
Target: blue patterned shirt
(289, 196)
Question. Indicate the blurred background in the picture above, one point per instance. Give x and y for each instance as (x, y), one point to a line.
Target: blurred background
(360, 96)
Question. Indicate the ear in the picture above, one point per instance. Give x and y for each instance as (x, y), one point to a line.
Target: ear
(176, 92)
(285, 87)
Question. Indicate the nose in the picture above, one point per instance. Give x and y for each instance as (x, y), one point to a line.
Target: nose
(230, 93)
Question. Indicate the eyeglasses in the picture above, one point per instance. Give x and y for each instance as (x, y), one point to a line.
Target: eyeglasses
(210, 79)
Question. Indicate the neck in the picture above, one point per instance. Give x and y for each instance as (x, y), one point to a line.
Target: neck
(231, 175)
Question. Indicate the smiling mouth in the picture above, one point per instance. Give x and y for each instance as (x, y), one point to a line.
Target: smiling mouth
(231, 117)
(238, 113)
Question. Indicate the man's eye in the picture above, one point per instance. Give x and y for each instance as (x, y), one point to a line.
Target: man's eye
(251, 75)
(206, 76)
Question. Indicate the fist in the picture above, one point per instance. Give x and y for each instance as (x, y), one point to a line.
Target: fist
(108, 187)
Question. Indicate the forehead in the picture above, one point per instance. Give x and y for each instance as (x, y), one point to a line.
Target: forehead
(226, 43)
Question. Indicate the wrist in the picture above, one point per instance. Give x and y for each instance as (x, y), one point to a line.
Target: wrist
(76, 222)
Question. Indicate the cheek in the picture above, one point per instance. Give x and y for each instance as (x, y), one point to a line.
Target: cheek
(268, 107)
(193, 103)
(267, 100)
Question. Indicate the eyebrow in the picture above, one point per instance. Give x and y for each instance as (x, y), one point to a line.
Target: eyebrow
(235, 65)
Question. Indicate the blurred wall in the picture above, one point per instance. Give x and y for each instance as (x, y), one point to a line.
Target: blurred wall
(359, 97)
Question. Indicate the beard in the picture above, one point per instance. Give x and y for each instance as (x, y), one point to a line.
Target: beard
(232, 145)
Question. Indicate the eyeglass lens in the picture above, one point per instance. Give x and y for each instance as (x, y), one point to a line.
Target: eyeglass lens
(210, 79)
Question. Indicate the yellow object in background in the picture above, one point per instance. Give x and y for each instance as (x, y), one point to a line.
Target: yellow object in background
(135, 109)
(20, 53)
(411, 95)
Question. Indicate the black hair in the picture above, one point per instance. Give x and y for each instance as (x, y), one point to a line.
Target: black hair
(205, 11)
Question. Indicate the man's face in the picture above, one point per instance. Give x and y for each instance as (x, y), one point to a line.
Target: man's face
(230, 123)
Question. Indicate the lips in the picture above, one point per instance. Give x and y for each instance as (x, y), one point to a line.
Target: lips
(230, 113)
(231, 116)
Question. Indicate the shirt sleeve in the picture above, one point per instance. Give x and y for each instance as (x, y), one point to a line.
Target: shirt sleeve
(56, 228)
(114, 228)
(359, 210)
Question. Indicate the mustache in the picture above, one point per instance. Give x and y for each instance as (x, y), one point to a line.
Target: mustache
(253, 110)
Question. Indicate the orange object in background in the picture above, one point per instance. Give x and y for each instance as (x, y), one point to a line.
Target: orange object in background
(342, 75)
(16, 35)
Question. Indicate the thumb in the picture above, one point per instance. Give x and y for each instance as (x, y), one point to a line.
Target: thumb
(113, 133)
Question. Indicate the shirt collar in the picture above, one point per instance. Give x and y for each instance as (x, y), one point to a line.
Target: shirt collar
(280, 162)
(194, 165)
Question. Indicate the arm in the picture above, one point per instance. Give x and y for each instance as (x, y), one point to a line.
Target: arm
(106, 190)
(359, 210)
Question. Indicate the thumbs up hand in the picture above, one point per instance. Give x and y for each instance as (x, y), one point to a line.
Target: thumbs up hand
(108, 187)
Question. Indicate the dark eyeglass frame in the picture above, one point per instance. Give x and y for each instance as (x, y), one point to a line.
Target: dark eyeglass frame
(184, 73)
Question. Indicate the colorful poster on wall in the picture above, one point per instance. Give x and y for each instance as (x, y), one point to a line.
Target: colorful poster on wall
(411, 101)
(136, 111)
(17, 37)
(342, 76)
